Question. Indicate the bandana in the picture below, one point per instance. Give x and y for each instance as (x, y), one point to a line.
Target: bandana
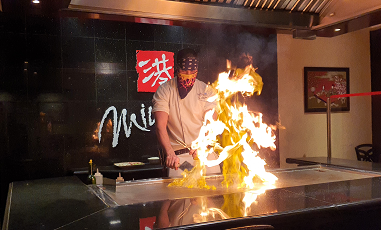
(190, 63)
(187, 80)
(185, 83)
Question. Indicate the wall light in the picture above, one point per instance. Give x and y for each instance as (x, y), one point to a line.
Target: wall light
(36, 1)
(336, 30)
(113, 222)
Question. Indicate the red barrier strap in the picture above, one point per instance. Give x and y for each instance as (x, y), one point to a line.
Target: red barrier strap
(356, 94)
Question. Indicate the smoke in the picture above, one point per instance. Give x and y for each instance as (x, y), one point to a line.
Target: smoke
(263, 49)
(229, 42)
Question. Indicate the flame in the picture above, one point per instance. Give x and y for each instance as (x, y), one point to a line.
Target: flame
(108, 129)
(235, 205)
(209, 214)
(236, 136)
(251, 198)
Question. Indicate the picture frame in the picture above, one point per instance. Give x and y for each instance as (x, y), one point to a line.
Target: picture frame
(323, 82)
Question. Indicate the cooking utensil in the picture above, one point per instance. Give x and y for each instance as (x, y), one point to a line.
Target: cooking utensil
(183, 144)
(186, 146)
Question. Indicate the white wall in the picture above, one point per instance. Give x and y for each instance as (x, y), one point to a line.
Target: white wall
(306, 133)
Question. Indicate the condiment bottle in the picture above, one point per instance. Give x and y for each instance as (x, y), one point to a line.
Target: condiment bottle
(119, 178)
(98, 178)
(90, 177)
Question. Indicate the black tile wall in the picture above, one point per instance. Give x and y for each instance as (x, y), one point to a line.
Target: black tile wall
(78, 52)
(132, 47)
(141, 32)
(109, 29)
(111, 86)
(79, 85)
(43, 80)
(17, 24)
(167, 46)
(77, 27)
(110, 51)
(14, 81)
(133, 93)
(44, 50)
(43, 25)
(13, 50)
(195, 36)
(139, 150)
(82, 118)
(53, 112)
(78, 131)
(172, 34)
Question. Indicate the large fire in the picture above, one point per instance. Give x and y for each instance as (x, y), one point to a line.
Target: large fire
(235, 205)
(236, 136)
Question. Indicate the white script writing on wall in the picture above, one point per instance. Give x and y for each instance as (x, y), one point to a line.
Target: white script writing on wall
(127, 128)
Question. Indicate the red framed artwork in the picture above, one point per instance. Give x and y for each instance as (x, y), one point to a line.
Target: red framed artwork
(323, 82)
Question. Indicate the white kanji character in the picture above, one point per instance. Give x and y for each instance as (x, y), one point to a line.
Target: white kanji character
(158, 72)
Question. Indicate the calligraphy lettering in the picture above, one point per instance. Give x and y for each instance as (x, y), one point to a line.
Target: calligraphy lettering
(123, 118)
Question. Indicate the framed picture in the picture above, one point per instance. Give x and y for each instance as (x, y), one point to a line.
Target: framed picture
(323, 82)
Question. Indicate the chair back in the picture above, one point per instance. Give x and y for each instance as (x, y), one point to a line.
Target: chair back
(364, 152)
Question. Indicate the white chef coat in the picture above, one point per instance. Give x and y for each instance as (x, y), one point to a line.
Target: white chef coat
(185, 117)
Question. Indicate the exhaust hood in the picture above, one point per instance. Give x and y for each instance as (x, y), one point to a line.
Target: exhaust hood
(283, 14)
(303, 18)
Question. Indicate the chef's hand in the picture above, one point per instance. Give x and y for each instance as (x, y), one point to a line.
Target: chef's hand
(173, 161)
(193, 153)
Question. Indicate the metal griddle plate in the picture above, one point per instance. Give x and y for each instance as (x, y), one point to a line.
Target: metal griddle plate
(133, 192)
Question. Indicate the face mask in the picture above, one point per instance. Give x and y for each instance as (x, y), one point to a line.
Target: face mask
(187, 80)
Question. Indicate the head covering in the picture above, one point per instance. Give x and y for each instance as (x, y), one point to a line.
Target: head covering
(186, 61)
(184, 54)
(189, 63)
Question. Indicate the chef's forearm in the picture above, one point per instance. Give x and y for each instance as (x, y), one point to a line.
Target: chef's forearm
(163, 138)
(161, 119)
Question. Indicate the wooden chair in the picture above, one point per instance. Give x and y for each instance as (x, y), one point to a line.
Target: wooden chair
(364, 152)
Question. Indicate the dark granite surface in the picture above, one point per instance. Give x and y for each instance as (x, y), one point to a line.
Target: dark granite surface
(372, 166)
(66, 203)
(322, 206)
(50, 203)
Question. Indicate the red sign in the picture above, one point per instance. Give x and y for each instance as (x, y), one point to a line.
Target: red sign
(154, 68)
(147, 223)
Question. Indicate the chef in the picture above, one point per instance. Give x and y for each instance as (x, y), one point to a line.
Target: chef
(179, 106)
